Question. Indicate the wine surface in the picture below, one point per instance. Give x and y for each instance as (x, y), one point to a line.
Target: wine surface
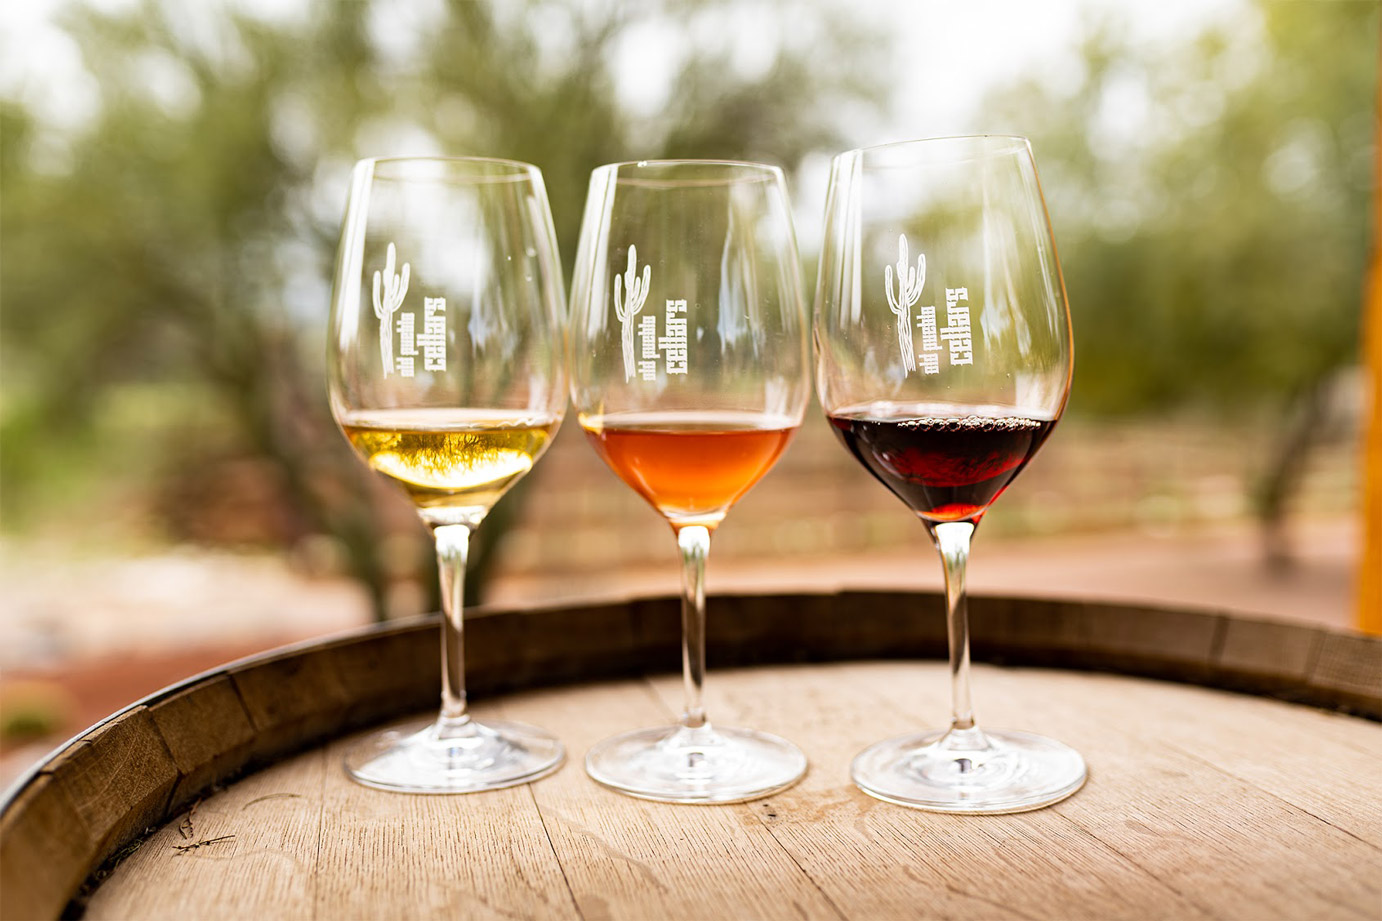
(690, 466)
(946, 467)
(448, 458)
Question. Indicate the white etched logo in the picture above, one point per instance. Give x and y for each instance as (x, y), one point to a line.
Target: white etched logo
(673, 342)
(909, 284)
(956, 335)
(390, 288)
(956, 332)
(627, 304)
(630, 291)
(432, 339)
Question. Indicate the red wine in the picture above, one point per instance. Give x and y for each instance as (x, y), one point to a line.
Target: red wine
(946, 468)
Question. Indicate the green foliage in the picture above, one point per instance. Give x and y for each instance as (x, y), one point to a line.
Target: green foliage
(185, 235)
(33, 710)
(1216, 255)
(182, 238)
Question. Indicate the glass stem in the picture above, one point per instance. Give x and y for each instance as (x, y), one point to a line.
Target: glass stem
(453, 547)
(952, 540)
(694, 541)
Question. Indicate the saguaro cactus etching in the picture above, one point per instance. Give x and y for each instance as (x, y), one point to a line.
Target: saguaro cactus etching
(909, 284)
(628, 301)
(389, 289)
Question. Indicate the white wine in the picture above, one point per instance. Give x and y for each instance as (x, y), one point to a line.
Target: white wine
(451, 458)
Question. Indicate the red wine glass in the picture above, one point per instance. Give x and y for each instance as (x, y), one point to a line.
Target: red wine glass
(943, 362)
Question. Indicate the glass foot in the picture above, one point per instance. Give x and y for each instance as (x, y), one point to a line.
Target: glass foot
(704, 765)
(968, 771)
(447, 757)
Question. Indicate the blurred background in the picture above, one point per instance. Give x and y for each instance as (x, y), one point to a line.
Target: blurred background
(174, 494)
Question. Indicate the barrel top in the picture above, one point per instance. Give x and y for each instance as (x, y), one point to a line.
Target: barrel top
(237, 770)
(1200, 803)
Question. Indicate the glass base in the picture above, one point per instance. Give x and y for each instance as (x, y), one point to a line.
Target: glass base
(444, 756)
(703, 765)
(970, 772)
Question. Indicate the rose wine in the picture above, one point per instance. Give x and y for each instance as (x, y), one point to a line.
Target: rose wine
(691, 466)
(450, 458)
(945, 467)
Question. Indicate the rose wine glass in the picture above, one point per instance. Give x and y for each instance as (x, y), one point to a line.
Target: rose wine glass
(944, 361)
(447, 375)
(689, 374)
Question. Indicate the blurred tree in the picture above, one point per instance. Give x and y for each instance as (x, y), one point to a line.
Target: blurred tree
(1212, 208)
(181, 240)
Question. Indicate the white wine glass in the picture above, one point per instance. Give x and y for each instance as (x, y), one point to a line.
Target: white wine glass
(690, 375)
(447, 375)
(944, 360)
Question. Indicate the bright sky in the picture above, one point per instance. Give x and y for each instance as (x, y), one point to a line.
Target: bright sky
(998, 41)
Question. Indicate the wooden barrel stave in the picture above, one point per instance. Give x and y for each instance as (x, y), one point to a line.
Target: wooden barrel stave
(147, 763)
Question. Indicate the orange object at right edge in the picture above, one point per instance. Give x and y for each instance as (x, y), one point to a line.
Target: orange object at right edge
(1370, 565)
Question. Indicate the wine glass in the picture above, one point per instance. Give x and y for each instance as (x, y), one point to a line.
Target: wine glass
(447, 375)
(944, 361)
(689, 374)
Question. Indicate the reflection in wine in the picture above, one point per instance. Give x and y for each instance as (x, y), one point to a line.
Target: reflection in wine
(450, 459)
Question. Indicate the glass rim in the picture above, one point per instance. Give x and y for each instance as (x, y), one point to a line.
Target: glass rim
(768, 171)
(973, 145)
(505, 170)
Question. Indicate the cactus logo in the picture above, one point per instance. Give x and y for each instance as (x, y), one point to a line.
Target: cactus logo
(910, 281)
(954, 341)
(389, 290)
(630, 292)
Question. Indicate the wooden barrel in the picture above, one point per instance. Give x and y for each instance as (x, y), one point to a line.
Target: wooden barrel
(223, 796)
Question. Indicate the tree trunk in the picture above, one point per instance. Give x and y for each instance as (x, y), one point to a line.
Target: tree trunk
(1286, 466)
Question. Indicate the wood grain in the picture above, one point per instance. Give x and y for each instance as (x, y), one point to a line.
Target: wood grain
(207, 731)
(385, 855)
(267, 868)
(1350, 667)
(1307, 759)
(118, 778)
(1159, 797)
(147, 764)
(626, 858)
(876, 860)
(1201, 804)
(44, 848)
